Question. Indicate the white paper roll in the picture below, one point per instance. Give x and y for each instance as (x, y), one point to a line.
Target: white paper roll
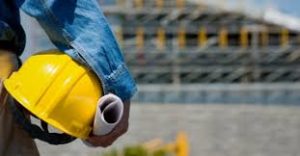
(108, 114)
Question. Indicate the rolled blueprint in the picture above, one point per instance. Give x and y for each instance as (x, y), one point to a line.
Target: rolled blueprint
(108, 114)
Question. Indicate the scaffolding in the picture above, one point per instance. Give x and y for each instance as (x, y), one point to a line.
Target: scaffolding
(177, 45)
(174, 42)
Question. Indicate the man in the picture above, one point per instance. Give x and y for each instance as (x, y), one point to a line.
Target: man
(79, 28)
(13, 140)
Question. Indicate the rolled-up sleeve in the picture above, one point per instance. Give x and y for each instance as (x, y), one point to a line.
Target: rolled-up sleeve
(80, 29)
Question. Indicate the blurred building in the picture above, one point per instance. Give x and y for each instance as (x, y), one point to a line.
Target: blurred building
(185, 52)
(188, 51)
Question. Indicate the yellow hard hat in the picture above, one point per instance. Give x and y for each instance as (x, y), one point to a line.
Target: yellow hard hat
(58, 90)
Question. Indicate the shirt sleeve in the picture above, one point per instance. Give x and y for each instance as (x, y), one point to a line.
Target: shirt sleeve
(12, 36)
(80, 29)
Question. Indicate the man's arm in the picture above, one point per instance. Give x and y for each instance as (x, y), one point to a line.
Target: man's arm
(79, 28)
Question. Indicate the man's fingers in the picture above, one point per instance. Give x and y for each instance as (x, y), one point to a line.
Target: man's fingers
(108, 140)
(106, 145)
(102, 143)
(119, 130)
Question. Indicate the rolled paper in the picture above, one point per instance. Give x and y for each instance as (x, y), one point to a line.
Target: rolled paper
(109, 112)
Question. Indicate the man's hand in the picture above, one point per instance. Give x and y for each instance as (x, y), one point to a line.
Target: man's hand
(119, 130)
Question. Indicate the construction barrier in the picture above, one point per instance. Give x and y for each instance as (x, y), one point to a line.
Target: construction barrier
(182, 37)
(140, 38)
(180, 4)
(202, 37)
(284, 37)
(160, 4)
(243, 38)
(223, 37)
(161, 39)
(139, 4)
(265, 37)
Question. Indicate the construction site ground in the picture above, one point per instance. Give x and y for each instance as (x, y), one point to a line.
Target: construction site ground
(213, 129)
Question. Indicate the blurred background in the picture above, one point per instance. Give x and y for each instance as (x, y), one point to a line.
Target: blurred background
(224, 72)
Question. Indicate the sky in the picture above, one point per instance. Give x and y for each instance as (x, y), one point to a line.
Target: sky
(280, 12)
(290, 7)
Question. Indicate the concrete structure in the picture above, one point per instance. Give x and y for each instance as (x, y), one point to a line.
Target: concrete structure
(184, 44)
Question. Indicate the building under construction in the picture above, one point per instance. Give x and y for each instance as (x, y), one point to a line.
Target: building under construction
(184, 52)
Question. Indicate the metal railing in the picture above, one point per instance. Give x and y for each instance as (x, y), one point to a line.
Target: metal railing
(258, 93)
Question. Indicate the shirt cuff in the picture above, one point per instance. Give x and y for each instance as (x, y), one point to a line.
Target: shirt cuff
(121, 83)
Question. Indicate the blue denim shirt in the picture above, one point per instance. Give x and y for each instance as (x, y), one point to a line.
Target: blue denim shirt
(79, 28)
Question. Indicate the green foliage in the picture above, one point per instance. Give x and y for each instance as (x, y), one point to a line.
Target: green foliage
(160, 153)
(135, 151)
